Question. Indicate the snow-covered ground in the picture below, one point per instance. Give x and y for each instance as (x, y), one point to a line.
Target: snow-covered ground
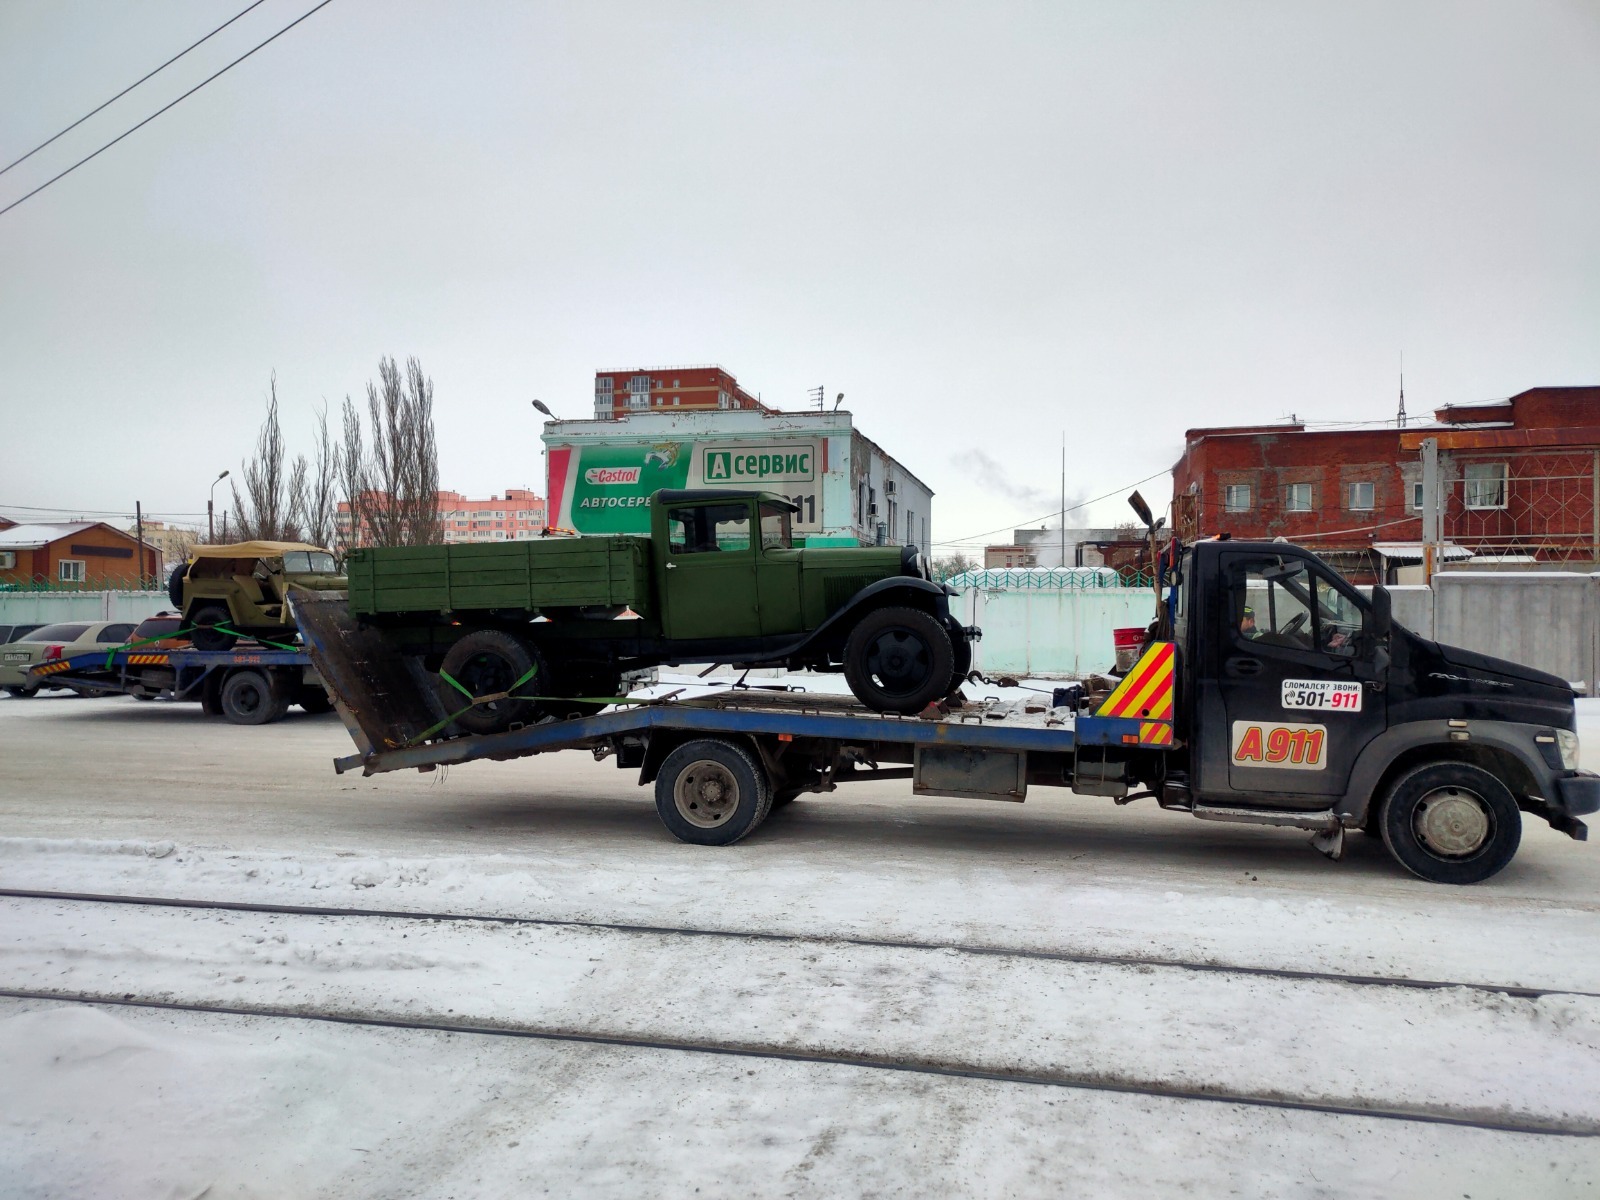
(115, 797)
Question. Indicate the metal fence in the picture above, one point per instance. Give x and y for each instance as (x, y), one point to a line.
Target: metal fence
(1048, 579)
(39, 584)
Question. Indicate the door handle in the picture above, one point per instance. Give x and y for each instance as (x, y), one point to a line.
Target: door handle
(1244, 666)
(672, 566)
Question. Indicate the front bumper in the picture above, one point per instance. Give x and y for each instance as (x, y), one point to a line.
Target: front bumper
(1579, 794)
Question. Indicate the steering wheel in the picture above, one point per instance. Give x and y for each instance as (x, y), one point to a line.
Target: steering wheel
(1296, 624)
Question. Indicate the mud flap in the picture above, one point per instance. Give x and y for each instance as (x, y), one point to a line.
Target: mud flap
(1329, 842)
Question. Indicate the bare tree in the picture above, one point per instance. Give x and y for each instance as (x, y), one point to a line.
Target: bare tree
(352, 481)
(952, 565)
(266, 510)
(316, 489)
(392, 487)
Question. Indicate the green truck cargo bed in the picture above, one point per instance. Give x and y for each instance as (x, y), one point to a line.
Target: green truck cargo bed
(534, 575)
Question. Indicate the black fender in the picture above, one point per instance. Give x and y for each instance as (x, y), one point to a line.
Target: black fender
(1505, 749)
(914, 592)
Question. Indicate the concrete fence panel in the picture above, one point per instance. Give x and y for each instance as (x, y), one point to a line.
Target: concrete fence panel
(1048, 632)
(1545, 619)
(50, 608)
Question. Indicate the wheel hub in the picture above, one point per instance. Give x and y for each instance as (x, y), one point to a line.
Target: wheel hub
(1452, 822)
(706, 794)
(898, 661)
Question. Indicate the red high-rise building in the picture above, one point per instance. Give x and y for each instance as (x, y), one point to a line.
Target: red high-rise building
(642, 389)
(1519, 479)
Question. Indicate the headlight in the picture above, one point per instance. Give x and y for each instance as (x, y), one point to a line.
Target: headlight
(1567, 743)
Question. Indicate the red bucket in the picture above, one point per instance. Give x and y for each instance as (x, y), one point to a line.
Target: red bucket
(1127, 643)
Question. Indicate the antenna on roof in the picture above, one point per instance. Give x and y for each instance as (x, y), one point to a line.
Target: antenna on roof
(1401, 418)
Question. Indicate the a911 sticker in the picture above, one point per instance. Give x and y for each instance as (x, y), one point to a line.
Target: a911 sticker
(1323, 694)
(1294, 747)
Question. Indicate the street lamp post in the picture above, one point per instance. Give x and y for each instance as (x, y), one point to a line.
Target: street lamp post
(211, 525)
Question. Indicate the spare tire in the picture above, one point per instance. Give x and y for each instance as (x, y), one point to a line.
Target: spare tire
(175, 585)
(485, 663)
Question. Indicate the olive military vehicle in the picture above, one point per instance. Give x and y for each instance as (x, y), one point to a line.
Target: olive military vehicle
(550, 625)
(233, 591)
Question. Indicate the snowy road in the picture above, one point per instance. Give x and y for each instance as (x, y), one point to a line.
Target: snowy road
(115, 797)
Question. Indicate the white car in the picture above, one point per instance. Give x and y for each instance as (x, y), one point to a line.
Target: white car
(55, 641)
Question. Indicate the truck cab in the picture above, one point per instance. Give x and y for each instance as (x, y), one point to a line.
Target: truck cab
(1300, 701)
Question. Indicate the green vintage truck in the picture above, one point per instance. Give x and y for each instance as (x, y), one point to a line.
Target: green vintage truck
(554, 622)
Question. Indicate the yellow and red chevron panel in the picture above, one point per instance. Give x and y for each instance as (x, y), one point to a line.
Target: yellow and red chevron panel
(1148, 691)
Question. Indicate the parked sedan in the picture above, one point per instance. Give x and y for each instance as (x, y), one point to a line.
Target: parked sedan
(51, 642)
(10, 633)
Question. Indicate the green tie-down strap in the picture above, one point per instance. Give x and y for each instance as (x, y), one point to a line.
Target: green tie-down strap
(508, 694)
(185, 632)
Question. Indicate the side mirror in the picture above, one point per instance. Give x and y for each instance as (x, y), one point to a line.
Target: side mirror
(1382, 620)
(1143, 509)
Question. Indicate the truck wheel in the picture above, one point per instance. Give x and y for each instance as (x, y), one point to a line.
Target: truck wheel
(205, 635)
(1451, 822)
(898, 660)
(175, 585)
(23, 693)
(712, 793)
(248, 698)
(486, 662)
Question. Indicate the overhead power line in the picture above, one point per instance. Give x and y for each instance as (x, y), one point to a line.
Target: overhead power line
(976, 537)
(129, 88)
(164, 108)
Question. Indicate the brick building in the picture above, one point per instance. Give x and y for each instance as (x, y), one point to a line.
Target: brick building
(639, 389)
(75, 554)
(1519, 479)
(517, 515)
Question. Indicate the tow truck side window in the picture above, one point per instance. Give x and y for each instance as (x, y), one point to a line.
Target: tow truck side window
(1282, 603)
(1338, 621)
(1271, 605)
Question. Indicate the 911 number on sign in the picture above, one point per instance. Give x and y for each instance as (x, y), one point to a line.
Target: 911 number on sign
(1322, 694)
(1292, 747)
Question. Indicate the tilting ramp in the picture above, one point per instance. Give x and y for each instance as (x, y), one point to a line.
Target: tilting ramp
(386, 699)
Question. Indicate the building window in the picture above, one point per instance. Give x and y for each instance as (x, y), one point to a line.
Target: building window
(1485, 485)
(1363, 496)
(1416, 497)
(70, 570)
(1236, 497)
(1297, 497)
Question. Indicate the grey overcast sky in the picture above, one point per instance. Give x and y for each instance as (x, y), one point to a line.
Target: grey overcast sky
(988, 224)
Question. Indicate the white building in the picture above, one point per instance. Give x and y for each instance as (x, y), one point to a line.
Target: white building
(601, 474)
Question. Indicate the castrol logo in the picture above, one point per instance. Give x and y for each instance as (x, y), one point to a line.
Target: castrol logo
(604, 476)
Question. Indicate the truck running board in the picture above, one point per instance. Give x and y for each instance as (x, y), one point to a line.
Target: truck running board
(1325, 821)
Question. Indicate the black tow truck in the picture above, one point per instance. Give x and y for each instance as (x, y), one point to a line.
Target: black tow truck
(1271, 691)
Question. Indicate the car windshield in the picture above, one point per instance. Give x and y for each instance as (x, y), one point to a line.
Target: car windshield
(56, 633)
(309, 562)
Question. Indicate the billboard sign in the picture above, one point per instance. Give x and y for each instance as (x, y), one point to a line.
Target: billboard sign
(607, 489)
